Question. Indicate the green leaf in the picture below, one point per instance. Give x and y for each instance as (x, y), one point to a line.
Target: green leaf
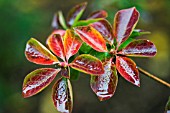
(85, 48)
(100, 55)
(88, 64)
(138, 32)
(62, 20)
(125, 43)
(86, 22)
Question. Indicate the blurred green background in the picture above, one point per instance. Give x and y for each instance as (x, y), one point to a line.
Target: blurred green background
(23, 19)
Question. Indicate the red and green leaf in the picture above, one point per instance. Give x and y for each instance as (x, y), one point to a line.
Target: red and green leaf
(92, 37)
(104, 27)
(72, 44)
(62, 95)
(55, 44)
(88, 64)
(37, 53)
(104, 85)
(128, 70)
(124, 23)
(37, 80)
(75, 13)
(98, 14)
(144, 48)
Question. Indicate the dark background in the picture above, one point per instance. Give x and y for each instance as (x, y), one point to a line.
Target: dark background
(22, 19)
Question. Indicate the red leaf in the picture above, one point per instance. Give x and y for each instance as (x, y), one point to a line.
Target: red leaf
(55, 43)
(140, 48)
(58, 31)
(37, 80)
(75, 13)
(92, 37)
(98, 14)
(62, 95)
(105, 29)
(88, 64)
(124, 23)
(105, 85)
(37, 53)
(72, 44)
(128, 70)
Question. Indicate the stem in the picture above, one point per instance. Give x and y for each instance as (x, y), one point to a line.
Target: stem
(154, 77)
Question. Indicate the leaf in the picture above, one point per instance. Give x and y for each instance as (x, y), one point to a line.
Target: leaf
(74, 74)
(37, 53)
(55, 44)
(75, 13)
(57, 31)
(55, 22)
(62, 95)
(37, 80)
(138, 32)
(143, 48)
(88, 64)
(62, 20)
(128, 70)
(72, 44)
(85, 48)
(86, 22)
(92, 37)
(104, 27)
(98, 14)
(167, 108)
(124, 23)
(126, 43)
(105, 85)
(65, 72)
(100, 55)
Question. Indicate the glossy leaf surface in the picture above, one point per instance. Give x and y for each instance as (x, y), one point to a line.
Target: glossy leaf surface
(143, 48)
(98, 14)
(75, 13)
(92, 37)
(104, 27)
(37, 53)
(88, 64)
(62, 95)
(37, 80)
(72, 43)
(124, 23)
(55, 44)
(105, 85)
(128, 70)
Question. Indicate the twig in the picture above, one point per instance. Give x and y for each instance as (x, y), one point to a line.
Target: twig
(154, 77)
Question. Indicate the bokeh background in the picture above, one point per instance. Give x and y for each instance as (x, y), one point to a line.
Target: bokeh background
(23, 19)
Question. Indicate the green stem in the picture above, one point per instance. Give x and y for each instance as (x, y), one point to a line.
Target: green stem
(154, 77)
